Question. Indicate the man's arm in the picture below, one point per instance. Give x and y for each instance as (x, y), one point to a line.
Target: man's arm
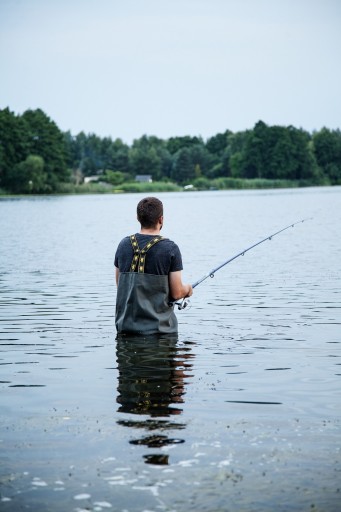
(178, 290)
(117, 275)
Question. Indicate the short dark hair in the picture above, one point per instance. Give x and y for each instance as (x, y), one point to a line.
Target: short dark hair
(149, 210)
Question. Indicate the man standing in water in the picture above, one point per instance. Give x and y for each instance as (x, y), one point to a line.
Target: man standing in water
(148, 276)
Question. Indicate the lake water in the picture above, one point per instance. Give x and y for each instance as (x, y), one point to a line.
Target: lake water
(240, 413)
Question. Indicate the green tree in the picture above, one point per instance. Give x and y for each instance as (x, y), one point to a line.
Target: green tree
(114, 155)
(35, 155)
(218, 144)
(274, 152)
(70, 150)
(237, 144)
(220, 149)
(120, 157)
(47, 141)
(255, 153)
(183, 170)
(292, 157)
(282, 161)
(327, 150)
(14, 144)
(149, 155)
(28, 176)
(305, 167)
(92, 161)
(202, 160)
(76, 150)
(115, 177)
(174, 144)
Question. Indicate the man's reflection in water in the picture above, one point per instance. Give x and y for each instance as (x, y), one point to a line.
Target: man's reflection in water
(152, 375)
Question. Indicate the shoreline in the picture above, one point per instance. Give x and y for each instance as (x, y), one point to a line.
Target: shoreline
(159, 187)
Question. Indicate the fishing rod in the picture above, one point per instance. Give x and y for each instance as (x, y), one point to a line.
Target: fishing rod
(184, 303)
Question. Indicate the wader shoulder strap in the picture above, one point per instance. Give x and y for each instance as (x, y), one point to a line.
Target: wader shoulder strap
(139, 257)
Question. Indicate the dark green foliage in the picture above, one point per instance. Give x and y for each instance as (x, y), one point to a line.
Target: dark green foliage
(182, 169)
(36, 157)
(14, 144)
(114, 177)
(327, 149)
(192, 162)
(145, 156)
(275, 153)
(32, 134)
(218, 144)
(174, 144)
(28, 177)
(47, 141)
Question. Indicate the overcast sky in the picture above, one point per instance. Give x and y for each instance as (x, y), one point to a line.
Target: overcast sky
(124, 68)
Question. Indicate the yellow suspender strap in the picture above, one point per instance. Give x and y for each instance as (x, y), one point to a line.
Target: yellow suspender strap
(139, 257)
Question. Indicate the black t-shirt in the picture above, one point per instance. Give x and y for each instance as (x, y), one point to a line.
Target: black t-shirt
(161, 258)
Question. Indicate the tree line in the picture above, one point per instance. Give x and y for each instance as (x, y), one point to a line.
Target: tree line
(37, 157)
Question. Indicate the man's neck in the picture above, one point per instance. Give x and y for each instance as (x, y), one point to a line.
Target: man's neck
(150, 231)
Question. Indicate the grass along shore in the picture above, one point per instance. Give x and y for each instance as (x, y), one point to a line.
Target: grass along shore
(200, 184)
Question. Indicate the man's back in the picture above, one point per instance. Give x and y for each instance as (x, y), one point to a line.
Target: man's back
(148, 276)
(161, 259)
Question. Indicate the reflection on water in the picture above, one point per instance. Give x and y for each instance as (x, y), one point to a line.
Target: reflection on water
(153, 372)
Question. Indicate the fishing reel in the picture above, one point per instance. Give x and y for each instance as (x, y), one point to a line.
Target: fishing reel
(184, 303)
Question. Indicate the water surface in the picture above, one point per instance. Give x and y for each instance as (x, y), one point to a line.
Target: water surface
(240, 412)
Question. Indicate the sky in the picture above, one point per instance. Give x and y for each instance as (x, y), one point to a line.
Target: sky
(127, 68)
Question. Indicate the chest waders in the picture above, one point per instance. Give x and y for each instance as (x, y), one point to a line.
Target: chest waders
(142, 303)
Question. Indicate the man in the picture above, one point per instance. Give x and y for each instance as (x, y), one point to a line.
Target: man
(148, 276)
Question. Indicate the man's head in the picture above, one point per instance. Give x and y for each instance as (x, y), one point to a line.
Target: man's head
(149, 212)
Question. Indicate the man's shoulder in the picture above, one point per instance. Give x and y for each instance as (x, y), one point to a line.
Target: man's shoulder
(170, 244)
(125, 242)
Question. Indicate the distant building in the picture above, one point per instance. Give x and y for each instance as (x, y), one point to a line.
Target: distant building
(144, 178)
(89, 179)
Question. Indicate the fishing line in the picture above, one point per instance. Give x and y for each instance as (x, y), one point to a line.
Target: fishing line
(185, 302)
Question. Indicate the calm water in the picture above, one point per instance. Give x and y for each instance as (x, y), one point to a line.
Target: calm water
(240, 413)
